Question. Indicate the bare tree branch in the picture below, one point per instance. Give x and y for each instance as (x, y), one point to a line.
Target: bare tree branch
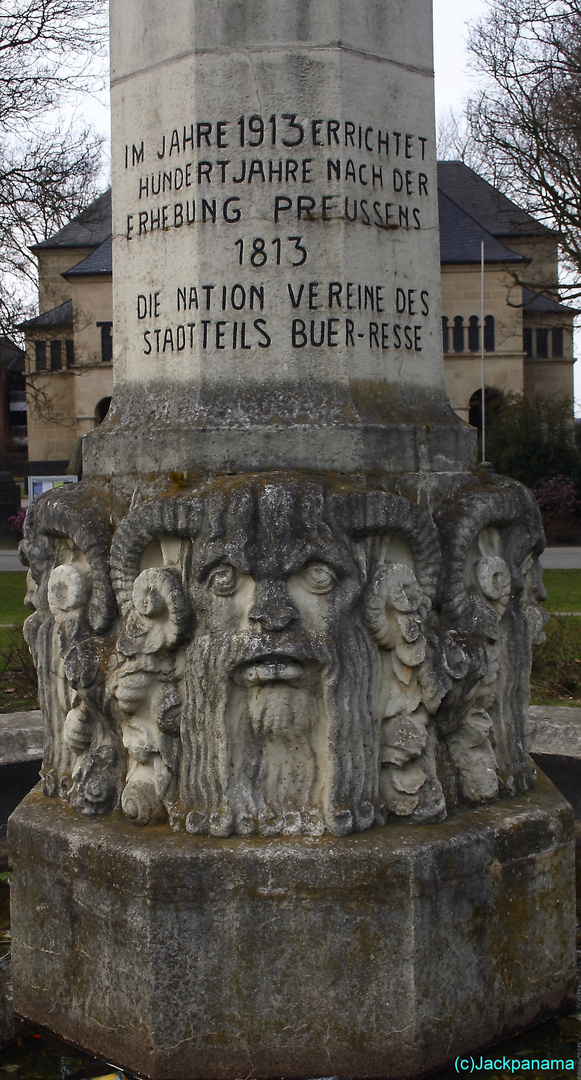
(49, 52)
(525, 124)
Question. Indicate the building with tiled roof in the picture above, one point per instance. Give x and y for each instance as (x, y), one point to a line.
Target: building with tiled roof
(88, 230)
(528, 332)
(69, 344)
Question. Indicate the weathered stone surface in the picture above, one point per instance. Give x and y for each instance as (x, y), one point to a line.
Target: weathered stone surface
(555, 730)
(555, 742)
(6, 1009)
(277, 286)
(21, 752)
(285, 654)
(283, 633)
(21, 737)
(402, 443)
(380, 955)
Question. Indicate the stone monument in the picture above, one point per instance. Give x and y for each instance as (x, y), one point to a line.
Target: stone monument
(288, 824)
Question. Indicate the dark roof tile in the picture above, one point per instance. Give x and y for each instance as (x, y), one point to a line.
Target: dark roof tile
(461, 237)
(58, 316)
(89, 229)
(534, 301)
(99, 261)
(490, 207)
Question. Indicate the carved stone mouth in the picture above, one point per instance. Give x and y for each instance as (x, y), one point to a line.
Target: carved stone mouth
(269, 669)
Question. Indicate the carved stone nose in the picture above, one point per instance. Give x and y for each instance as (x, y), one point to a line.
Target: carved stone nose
(272, 607)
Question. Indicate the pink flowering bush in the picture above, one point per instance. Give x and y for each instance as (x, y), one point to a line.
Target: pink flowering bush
(16, 522)
(557, 498)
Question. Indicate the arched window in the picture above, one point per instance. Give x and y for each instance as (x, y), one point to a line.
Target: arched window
(492, 403)
(489, 333)
(445, 334)
(101, 409)
(474, 334)
(458, 334)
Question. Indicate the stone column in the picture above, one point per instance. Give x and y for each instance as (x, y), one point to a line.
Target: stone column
(277, 268)
(283, 629)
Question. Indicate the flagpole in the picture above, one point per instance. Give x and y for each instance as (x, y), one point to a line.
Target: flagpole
(482, 365)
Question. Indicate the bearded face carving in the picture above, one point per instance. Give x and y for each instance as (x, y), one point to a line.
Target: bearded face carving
(277, 639)
(69, 637)
(306, 635)
(282, 659)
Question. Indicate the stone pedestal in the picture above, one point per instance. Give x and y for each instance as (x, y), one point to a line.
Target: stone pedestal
(379, 955)
(282, 627)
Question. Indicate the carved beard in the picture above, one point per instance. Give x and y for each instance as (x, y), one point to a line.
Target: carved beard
(279, 757)
(278, 711)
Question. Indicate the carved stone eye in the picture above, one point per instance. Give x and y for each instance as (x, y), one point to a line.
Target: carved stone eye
(319, 578)
(222, 580)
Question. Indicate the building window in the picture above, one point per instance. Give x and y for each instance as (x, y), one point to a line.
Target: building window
(56, 355)
(70, 352)
(527, 342)
(473, 334)
(458, 334)
(445, 334)
(17, 408)
(101, 409)
(40, 355)
(106, 342)
(492, 405)
(542, 343)
(558, 341)
(489, 343)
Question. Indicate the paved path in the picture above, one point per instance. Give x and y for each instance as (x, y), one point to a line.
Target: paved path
(9, 561)
(561, 558)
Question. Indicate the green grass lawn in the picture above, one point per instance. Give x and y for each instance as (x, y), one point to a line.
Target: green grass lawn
(556, 675)
(564, 589)
(12, 591)
(17, 678)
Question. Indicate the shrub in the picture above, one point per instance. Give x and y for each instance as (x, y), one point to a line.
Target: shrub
(16, 522)
(533, 439)
(556, 669)
(18, 681)
(557, 497)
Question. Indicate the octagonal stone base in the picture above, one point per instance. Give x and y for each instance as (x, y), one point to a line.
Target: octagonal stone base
(382, 954)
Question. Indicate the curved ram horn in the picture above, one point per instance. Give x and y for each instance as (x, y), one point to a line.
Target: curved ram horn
(377, 513)
(511, 509)
(172, 516)
(69, 513)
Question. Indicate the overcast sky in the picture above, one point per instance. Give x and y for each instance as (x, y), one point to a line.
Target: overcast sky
(453, 81)
(452, 78)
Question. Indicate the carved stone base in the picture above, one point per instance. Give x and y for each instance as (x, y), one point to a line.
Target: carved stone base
(379, 954)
